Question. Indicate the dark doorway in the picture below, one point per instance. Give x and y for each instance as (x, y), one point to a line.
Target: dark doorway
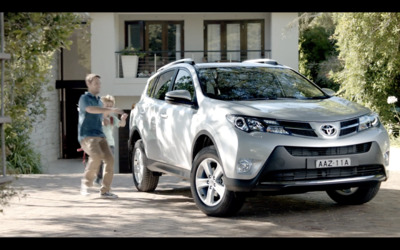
(71, 122)
(70, 92)
(123, 136)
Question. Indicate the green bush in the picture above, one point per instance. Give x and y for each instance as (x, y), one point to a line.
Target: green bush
(31, 39)
(370, 54)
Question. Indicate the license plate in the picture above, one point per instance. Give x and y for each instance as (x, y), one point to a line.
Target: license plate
(330, 163)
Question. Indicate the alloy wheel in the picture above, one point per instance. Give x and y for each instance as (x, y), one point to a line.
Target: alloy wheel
(138, 165)
(209, 183)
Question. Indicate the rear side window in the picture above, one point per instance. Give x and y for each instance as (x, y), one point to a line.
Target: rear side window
(163, 84)
(151, 87)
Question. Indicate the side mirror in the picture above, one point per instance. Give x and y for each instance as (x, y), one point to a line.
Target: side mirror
(329, 92)
(178, 97)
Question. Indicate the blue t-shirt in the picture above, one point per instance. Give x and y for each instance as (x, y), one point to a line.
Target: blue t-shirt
(89, 124)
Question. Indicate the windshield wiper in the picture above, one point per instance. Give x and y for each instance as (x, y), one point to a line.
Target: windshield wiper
(260, 98)
(288, 97)
(305, 98)
(318, 97)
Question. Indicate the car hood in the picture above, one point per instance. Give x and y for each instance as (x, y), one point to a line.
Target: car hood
(331, 109)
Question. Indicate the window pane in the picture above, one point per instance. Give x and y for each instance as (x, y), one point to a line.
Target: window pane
(233, 41)
(150, 87)
(254, 40)
(184, 81)
(214, 42)
(174, 41)
(134, 35)
(155, 37)
(163, 85)
(249, 83)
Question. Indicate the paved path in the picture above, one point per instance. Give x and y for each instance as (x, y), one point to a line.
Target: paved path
(53, 207)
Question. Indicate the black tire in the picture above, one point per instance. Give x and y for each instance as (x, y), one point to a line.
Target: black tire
(356, 195)
(212, 198)
(143, 178)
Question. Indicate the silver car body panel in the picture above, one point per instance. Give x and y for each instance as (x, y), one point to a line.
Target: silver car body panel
(170, 130)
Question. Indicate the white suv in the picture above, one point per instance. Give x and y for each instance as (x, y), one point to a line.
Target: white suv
(236, 128)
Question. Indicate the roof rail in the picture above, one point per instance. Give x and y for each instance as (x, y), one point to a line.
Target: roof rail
(263, 60)
(185, 60)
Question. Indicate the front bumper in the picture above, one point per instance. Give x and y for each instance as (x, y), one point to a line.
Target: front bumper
(293, 169)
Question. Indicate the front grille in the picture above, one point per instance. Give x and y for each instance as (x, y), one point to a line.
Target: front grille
(348, 127)
(298, 128)
(327, 151)
(305, 129)
(321, 174)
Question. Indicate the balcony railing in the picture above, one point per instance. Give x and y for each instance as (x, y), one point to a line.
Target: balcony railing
(154, 60)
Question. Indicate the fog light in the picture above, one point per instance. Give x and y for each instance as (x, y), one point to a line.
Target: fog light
(244, 166)
(386, 158)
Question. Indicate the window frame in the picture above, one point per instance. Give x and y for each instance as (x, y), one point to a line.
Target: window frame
(144, 35)
(243, 36)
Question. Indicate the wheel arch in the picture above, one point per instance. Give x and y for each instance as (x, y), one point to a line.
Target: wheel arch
(133, 138)
(202, 140)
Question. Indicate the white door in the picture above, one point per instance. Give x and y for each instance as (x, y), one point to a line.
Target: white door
(176, 140)
(154, 112)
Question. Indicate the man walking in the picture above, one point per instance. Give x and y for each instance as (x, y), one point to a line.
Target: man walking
(92, 139)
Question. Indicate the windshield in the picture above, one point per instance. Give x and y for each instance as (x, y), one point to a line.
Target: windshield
(255, 83)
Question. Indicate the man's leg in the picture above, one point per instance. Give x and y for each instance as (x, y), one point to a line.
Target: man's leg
(99, 177)
(108, 166)
(91, 146)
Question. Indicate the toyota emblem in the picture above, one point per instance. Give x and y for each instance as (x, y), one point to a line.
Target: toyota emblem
(329, 130)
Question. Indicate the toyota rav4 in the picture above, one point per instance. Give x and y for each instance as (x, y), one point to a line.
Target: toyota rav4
(232, 129)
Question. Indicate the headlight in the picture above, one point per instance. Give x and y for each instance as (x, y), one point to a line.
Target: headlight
(368, 121)
(252, 124)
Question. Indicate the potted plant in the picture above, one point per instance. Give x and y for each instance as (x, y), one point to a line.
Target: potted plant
(129, 59)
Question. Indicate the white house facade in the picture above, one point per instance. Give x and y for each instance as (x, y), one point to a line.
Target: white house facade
(163, 37)
(279, 42)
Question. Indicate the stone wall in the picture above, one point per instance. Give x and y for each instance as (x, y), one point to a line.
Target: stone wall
(45, 136)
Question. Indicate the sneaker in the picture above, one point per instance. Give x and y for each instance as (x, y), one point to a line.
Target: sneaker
(108, 195)
(84, 190)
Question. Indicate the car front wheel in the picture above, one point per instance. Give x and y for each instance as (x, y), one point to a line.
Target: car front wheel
(355, 195)
(143, 178)
(207, 186)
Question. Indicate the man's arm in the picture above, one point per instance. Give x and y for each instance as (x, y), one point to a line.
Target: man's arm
(102, 110)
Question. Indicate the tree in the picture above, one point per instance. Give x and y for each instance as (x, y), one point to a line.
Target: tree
(369, 49)
(32, 40)
(317, 49)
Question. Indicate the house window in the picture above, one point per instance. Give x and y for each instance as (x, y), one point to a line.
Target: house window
(234, 40)
(163, 38)
(162, 41)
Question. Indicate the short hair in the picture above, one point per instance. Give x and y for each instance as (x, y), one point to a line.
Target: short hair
(108, 98)
(89, 78)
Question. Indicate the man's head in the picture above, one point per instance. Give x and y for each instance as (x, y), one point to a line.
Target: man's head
(93, 83)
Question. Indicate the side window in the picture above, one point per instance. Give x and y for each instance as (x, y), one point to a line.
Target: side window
(184, 81)
(164, 81)
(151, 87)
